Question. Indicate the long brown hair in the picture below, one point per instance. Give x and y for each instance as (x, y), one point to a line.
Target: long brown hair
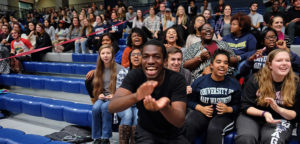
(265, 82)
(42, 27)
(99, 73)
(89, 27)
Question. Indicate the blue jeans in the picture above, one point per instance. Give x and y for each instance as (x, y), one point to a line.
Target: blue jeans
(102, 120)
(82, 44)
(129, 116)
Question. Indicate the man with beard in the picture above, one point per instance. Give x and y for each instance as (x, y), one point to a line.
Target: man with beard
(160, 96)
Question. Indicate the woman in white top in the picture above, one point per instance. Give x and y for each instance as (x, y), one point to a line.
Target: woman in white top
(31, 34)
(138, 20)
(194, 35)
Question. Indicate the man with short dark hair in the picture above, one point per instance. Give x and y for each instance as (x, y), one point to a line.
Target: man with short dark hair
(160, 96)
(274, 12)
(256, 18)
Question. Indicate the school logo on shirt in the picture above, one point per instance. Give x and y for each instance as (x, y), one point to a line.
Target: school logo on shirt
(259, 62)
(215, 95)
(240, 45)
(100, 30)
(114, 28)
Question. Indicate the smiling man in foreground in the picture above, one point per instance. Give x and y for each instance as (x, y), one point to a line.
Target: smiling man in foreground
(160, 95)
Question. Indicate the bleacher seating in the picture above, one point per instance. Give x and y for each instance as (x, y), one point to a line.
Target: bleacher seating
(71, 85)
(76, 113)
(52, 67)
(13, 136)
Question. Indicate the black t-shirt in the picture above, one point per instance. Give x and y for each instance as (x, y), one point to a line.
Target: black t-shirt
(292, 14)
(173, 87)
(250, 95)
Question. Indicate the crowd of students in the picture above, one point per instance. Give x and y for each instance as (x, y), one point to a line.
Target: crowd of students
(211, 51)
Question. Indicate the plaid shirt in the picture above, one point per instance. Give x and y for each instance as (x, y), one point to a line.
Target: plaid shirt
(152, 25)
(219, 26)
(196, 50)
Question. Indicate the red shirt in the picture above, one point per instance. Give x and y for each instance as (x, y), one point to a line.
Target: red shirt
(211, 48)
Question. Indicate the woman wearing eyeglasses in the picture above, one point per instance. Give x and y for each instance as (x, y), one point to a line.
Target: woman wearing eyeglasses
(269, 41)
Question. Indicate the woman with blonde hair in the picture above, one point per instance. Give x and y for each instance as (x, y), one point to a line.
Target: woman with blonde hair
(270, 102)
(101, 88)
(87, 29)
(168, 20)
(181, 17)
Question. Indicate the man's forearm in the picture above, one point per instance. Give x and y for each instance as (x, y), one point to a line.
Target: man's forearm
(175, 113)
(119, 103)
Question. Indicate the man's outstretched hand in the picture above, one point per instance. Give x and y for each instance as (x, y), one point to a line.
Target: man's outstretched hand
(145, 89)
(155, 105)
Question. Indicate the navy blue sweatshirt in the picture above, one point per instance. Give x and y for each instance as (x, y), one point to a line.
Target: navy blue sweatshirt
(99, 28)
(206, 92)
(118, 29)
(258, 63)
(242, 46)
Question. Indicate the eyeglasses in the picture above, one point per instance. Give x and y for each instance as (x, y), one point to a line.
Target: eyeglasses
(136, 54)
(208, 29)
(200, 21)
(271, 37)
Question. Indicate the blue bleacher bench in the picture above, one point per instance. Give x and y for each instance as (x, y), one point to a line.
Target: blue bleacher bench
(71, 85)
(13, 136)
(76, 113)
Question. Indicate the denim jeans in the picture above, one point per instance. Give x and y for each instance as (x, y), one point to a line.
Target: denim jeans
(129, 116)
(102, 120)
(82, 44)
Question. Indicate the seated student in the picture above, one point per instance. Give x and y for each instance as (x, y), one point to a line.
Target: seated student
(116, 31)
(100, 29)
(222, 26)
(61, 35)
(85, 31)
(160, 95)
(172, 38)
(270, 42)
(31, 33)
(293, 20)
(101, 88)
(19, 45)
(73, 33)
(152, 23)
(5, 35)
(49, 29)
(168, 20)
(129, 116)
(208, 17)
(136, 39)
(194, 35)
(196, 58)
(277, 24)
(42, 40)
(240, 39)
(215, 102)
(270, 102)
(174, 63)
